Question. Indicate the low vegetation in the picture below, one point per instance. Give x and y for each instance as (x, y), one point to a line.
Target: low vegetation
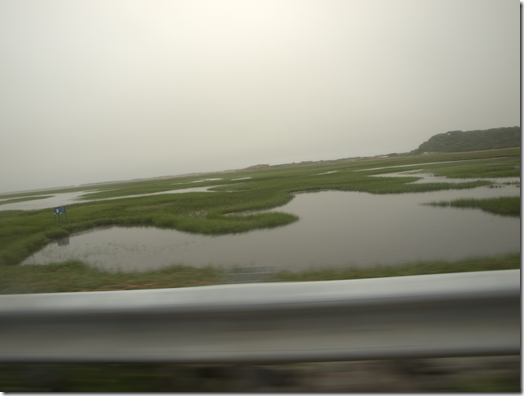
(511, 261)
(25, 232)
(75, 276)
(504, 206)
(480, 169)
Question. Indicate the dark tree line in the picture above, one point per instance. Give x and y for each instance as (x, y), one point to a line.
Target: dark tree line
(486, 139)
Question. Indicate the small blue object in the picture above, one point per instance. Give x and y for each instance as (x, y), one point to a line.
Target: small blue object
(59, 210)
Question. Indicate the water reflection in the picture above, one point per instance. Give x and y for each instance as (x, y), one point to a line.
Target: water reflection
(335, 229)
(430, 178)
(425, 163)
(74, 197)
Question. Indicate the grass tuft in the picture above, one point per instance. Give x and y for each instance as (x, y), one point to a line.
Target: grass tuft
(75, 276)
(511, 261)
(504, 206)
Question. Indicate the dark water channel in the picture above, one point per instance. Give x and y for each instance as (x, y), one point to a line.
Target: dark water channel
(335, 229)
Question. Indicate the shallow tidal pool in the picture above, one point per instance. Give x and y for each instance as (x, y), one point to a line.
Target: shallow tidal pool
(335, 229)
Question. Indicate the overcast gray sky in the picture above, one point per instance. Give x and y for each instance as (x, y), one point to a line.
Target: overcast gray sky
(101, 90)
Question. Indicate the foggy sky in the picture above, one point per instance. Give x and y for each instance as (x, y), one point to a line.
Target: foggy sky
(94, 91)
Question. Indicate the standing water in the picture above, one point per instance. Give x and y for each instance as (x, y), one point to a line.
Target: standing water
(335, 229)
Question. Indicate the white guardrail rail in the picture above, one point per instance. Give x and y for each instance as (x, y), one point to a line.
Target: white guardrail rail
(463, 314)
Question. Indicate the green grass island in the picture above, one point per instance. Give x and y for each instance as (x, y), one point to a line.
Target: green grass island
(244, 191)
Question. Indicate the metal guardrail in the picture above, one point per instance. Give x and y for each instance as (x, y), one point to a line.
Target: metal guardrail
(462, 314)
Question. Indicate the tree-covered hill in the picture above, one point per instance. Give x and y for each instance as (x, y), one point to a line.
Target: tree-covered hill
(486, 139)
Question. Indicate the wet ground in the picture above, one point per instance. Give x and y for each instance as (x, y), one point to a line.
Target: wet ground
(335, 229)
(62, 199)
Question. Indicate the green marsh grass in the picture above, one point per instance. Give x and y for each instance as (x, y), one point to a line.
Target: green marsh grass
(25, 232)
(504, 206)
(75, 276)
(479, 170)
(511, 261)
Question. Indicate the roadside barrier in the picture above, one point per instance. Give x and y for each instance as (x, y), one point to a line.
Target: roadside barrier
(463, 314)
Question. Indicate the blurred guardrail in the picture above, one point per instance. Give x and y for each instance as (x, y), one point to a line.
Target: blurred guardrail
(462, 314)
